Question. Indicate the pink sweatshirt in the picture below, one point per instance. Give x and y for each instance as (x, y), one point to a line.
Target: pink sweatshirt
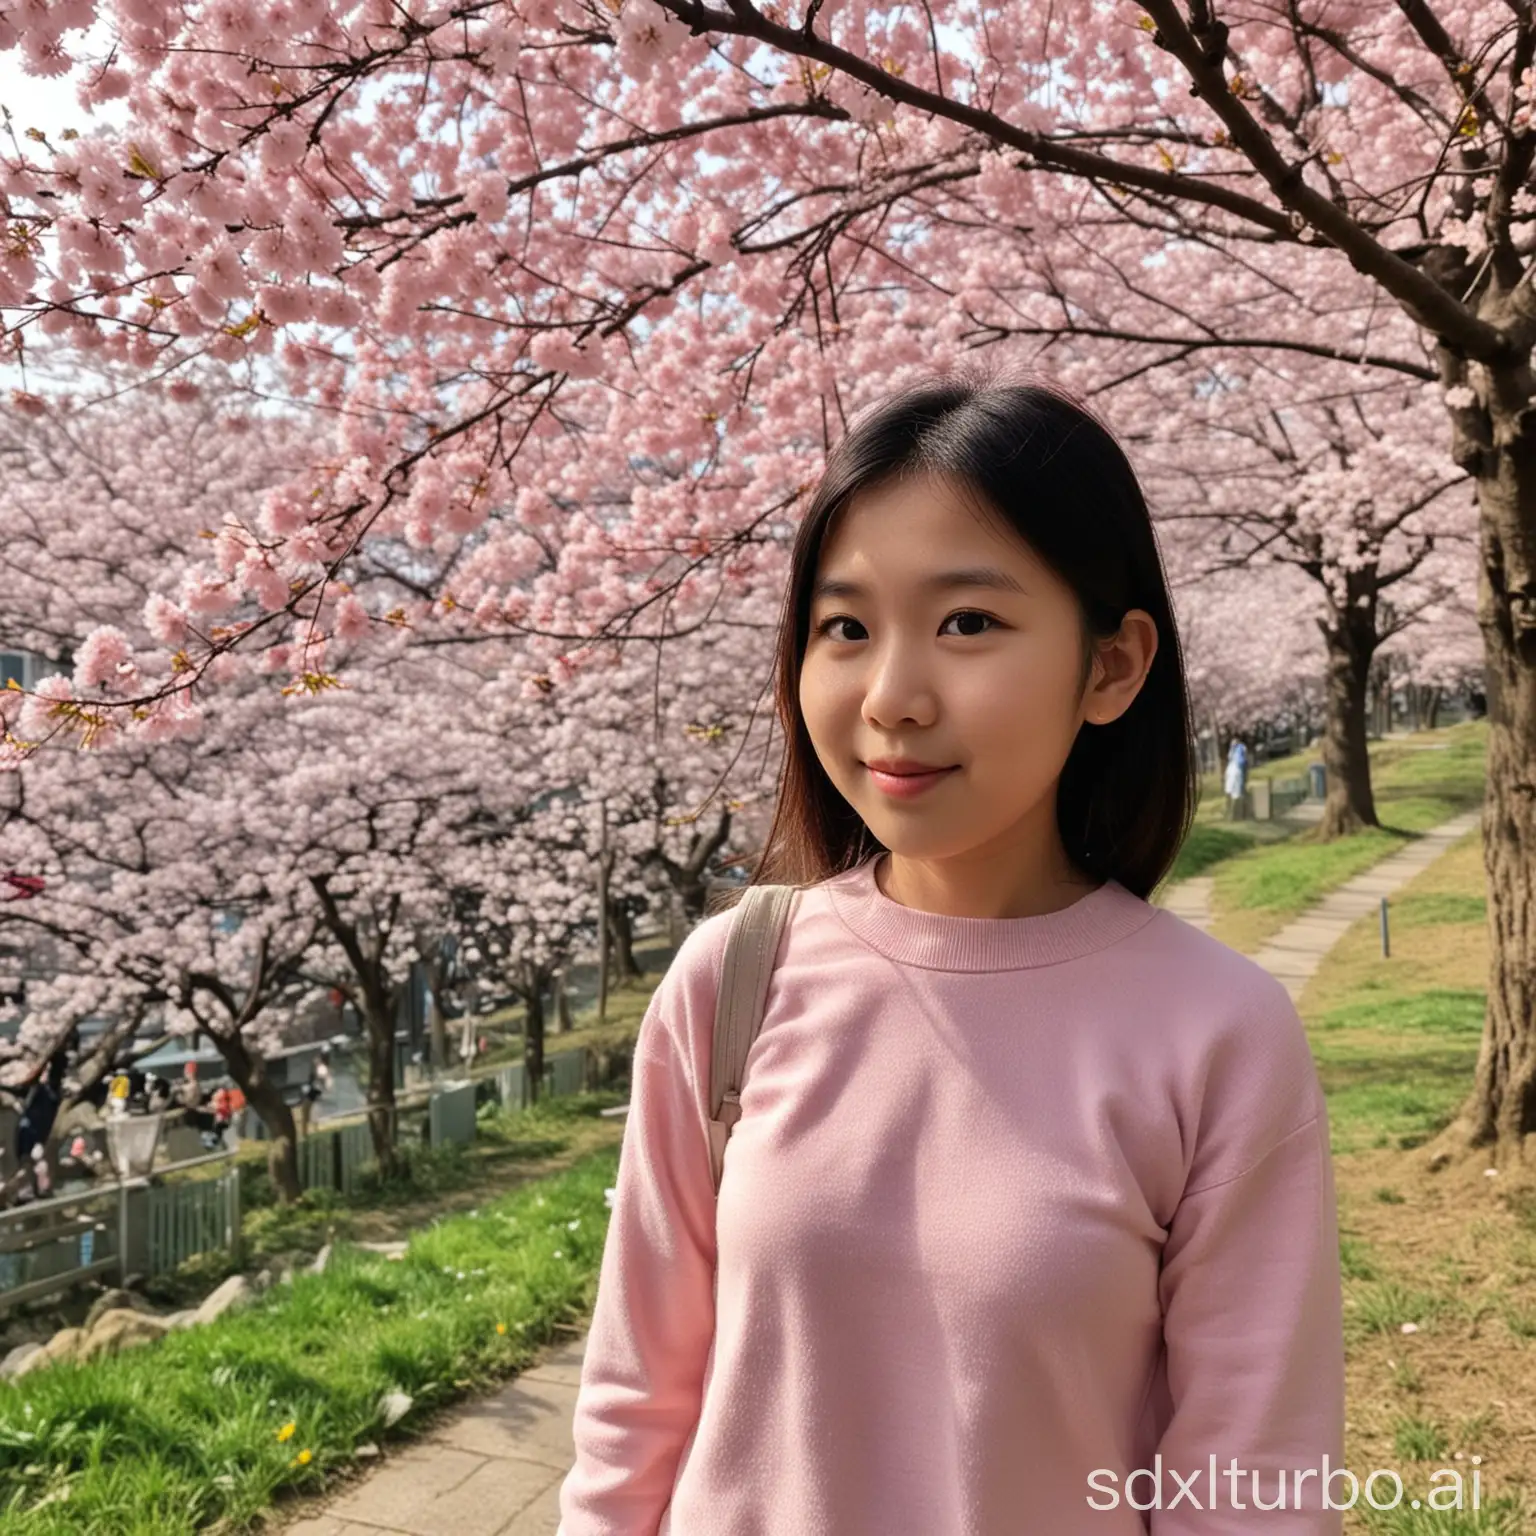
(1015, 1207)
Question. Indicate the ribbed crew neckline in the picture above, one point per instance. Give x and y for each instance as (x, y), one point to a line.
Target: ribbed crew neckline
(943, 943)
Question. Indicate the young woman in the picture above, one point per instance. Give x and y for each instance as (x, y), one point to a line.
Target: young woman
(1027, 1225)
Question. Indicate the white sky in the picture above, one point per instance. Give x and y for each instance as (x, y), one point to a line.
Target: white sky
(50, 105)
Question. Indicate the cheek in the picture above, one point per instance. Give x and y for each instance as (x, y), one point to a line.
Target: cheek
(826, 694)
(813, 710)
(1027, 690)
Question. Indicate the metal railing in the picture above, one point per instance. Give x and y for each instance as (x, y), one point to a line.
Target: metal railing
(148, 1226)
(187, 1219)
(50, 1244)
(130, 1226)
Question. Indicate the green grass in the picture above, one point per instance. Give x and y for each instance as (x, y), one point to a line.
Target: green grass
(1419, 1440)
(1507, 1515)
(1210, 843)
(1418, 911)
(1294, 874)
(1355, 1259)
(1395, 1069)
(1396, 1038)
(180, 1434)
(431, 1180)
(1383, 1306)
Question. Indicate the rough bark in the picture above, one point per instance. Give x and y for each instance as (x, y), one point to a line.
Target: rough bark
(250, 1075)
(533, 1031)
(1504, 1099)
(1495, 440)
(282, 1154)
(563, 1019)
(437, 1034)
(621, 928)
(375, 1000)
(379, 1021)
(1348, 803)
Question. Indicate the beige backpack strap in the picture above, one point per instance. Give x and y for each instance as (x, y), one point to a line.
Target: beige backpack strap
(750, 948)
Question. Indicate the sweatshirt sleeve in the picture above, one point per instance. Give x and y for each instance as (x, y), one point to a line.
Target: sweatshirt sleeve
(654, 1315)
(1252, 1308)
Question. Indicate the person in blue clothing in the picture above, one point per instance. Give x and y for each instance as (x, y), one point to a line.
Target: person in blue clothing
(1236, 779)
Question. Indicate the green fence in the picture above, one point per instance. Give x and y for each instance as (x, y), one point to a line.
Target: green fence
(151, 1226)
(192, 1217)
(564, 1072)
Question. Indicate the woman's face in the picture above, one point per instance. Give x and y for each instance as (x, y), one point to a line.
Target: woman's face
(936, 635)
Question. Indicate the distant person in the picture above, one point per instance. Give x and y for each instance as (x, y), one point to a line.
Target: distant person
(318, 1085)
(1237, 779)
(223, 1107)
(40, 1109)
(42, 1175)
(187, 1093)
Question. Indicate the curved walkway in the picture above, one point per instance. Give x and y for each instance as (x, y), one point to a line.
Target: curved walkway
(1295, 953)
(1191, 900)
(496, 1468)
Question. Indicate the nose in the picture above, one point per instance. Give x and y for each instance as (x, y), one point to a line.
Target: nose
(899, 687)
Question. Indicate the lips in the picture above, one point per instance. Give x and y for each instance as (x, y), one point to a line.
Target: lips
(905, 767)
(907, 783)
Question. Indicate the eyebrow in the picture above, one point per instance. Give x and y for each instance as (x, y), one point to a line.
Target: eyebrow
(973, 576)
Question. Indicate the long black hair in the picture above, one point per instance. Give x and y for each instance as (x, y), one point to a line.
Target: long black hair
(1055, 474)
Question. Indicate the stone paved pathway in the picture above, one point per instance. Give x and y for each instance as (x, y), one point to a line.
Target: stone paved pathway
(493, 1470)
(1191, 900)
(496, 1468)
(1295, 953)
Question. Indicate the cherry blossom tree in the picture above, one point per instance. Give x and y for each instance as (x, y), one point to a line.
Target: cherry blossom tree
(136, 880)
(155, 907)
(1347, 489)
(1251, 652)
(592, 286)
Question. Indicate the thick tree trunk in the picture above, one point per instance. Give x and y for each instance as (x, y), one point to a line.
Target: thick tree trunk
(563, 1020)
(437, 1035)
(622, 929)
(533, 1032)
(690, 877)
(379, 1018)
(1349, 803)
(1432, 713)
(250, 1075)
(282, 1155)
(1504, 1100)
(1218, 745)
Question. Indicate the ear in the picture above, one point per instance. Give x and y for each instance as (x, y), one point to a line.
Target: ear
(1120, 667)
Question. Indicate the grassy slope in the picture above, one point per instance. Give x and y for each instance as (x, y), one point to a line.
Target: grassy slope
(1454, 1253)
(185, 1433)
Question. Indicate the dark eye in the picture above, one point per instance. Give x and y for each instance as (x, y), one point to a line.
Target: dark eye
(971, 613)
(965, 613)
(837, 618)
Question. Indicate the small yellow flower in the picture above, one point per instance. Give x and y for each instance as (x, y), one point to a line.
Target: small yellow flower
(501, 1327)
(303, 1459)
(286, 1432)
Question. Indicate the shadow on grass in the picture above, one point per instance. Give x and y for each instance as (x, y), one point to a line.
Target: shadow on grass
(1209, 844)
